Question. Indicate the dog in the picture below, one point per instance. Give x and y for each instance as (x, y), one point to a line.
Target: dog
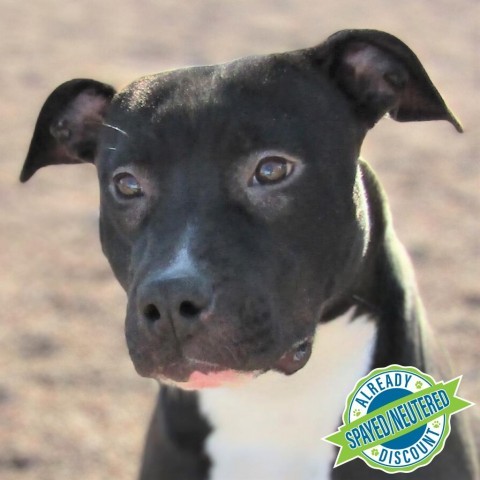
(263, 273)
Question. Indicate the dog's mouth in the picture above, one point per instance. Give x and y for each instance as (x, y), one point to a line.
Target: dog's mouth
(204, 374)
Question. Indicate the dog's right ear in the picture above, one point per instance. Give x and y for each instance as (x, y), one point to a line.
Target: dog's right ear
(68, 125)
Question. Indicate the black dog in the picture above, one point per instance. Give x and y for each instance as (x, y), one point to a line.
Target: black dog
(253, 242)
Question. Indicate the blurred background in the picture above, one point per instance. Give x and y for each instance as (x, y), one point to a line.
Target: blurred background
(71, 405)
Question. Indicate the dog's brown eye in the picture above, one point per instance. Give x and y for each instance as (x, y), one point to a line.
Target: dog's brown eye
(272, 169)
(127, 185)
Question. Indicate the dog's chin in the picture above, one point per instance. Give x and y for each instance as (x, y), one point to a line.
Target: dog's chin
(202, 374)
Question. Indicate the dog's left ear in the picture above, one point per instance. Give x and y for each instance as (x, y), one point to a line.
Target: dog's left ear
(380, 75)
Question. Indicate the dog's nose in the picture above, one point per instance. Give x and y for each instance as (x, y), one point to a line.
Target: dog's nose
(178, 301)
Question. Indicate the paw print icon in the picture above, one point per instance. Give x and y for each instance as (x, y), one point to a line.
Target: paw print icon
(357, 412)
(375, 452)
(436, 424)
(418, 385)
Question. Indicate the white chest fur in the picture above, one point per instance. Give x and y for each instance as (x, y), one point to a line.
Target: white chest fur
(272, 427)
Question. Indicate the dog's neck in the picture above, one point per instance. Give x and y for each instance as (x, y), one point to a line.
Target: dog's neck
(268, 423)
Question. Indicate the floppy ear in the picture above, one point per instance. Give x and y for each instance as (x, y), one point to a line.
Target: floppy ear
(68, 125)
(381, 75)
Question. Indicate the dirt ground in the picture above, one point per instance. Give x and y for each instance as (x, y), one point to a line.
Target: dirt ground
(71, 405)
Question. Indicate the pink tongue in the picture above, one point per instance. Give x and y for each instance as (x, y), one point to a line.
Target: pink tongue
(198, 380)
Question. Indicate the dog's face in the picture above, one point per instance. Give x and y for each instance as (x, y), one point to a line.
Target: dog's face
(229, 214)
(232, 208)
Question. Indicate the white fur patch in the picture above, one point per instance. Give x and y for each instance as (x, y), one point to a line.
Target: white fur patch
(271, 428)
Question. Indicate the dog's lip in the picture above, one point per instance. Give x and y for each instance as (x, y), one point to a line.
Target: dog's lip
(204, 374)
(296, 357)
(214, 379)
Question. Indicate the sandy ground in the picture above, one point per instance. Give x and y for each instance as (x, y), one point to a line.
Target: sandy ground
(71, 405)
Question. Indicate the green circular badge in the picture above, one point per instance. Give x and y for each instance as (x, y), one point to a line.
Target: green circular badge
(397, 419)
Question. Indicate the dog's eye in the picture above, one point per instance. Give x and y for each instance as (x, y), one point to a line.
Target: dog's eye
(127, 186)
(272, 169)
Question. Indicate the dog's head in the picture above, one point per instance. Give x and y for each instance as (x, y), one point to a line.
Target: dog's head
(232, 206)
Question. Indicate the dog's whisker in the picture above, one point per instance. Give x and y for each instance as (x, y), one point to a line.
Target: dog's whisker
(113, 127)
(201, 362)
(232, 354)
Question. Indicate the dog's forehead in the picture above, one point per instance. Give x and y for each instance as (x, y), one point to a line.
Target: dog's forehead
(195, 85)
(268, 85)
(264, 103)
